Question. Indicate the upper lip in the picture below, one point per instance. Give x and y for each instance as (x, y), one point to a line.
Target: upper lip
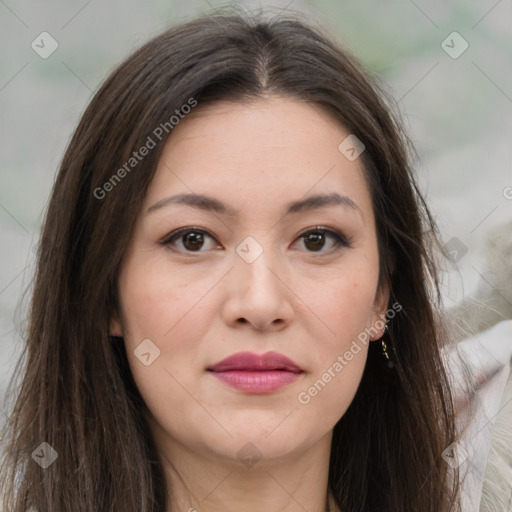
(250, 361)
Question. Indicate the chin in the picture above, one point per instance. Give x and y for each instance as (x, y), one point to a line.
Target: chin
(266, 440)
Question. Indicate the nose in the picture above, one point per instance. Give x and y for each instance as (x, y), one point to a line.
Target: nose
(258, 295)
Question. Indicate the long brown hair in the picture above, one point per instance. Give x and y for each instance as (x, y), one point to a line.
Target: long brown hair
(77, 393)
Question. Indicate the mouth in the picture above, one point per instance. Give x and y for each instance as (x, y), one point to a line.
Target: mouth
(256, 374)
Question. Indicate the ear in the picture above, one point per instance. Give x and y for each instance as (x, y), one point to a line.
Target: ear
(380, 307)
(115, 328)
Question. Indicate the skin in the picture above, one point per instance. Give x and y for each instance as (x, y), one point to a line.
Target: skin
(199, 307)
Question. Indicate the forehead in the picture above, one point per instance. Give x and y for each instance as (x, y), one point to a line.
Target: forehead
(272, 150)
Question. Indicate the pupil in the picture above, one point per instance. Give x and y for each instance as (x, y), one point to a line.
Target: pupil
(317, 239)
(193, 240)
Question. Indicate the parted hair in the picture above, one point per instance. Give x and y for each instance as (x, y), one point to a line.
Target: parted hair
(75, 389)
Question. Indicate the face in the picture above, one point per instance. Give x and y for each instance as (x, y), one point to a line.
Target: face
(257, 269)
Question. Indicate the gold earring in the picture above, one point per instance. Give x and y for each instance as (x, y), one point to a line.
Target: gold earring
(384, 349)
(383, 343)
(389, 363)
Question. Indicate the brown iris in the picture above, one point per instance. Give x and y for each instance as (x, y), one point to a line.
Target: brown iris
(317, 239)
(193, 240)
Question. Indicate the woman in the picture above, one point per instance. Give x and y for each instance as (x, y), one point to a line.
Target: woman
(235, 304)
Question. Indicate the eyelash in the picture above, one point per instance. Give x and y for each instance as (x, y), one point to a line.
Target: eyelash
(339, 240)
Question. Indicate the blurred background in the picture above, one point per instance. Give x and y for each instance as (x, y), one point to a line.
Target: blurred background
(446, 63)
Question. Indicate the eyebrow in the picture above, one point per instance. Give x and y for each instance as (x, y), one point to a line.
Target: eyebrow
(204, 202)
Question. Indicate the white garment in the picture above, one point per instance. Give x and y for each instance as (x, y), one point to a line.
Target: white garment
(487, 357)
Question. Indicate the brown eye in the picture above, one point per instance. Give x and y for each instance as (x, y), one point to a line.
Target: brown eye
(316, 239)
(187, 240)
(193, 240)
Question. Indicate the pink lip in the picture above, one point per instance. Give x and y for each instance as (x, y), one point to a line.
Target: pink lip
(255, 373)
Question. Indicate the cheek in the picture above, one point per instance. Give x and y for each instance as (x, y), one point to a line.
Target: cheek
(172, 311)
(341, 355)
(163, 305)
(343, 302)
(328, 394)
(166, 308)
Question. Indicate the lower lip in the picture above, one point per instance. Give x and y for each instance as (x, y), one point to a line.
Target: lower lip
(257, 382)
